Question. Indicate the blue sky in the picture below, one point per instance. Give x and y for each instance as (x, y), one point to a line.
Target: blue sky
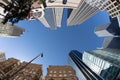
(55, 44)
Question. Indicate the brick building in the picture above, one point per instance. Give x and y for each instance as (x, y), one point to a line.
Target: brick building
(60, 73)
(9, 70)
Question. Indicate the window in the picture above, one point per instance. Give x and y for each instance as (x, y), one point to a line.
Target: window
(60, 75)
(60, 71)
(51, 71)
(50, 75)
(54, 71)
(54, 75)
(65, 75)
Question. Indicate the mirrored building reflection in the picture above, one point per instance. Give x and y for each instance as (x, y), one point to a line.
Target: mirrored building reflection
(83, 71)
(104, 62)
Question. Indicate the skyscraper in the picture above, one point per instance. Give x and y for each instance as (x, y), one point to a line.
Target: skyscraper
(60, 73)
(111, 43)
(2, 56)
(9, 67)
(62, 3)
(83, 72)
(112, 7)
(52, 18)
(104, 62)
(7, 30)
(109, 29)
(82, 13)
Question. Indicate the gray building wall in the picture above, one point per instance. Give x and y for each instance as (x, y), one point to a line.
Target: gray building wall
(112, 43)
(109, 29)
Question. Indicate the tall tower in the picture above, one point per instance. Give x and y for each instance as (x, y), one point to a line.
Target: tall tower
(83, 72)
(2, 56)
(52, 18)
(104, 62)
(82, 13)
(113, 43)
(112, 7)
(54, 12)
(60, 73)
(109, 29)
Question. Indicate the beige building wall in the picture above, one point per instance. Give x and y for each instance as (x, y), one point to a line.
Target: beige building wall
(30, 72)
(60, 73)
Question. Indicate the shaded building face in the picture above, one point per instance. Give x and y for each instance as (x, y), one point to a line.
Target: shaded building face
(109, 29)
(52, 18)
(104, 62)
(111, 43)
(60, 73)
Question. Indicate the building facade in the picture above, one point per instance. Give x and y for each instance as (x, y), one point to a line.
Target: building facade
(11, 70)
(9, 30)
(62, 3)
(2, 14)
(83, 72)
(7, 67)
(60, 73)
(109, 29)
(111, 6)
(37, 10)
(31, 72)
(111, 43)
(104, 62)
(82, 13)
(2, 56)
(52, 18)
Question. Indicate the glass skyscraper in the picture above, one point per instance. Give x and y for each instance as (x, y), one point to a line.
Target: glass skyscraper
(104, 62)
(83, 72)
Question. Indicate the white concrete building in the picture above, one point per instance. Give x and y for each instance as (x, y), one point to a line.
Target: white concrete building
(62, 3)
(82, 13)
